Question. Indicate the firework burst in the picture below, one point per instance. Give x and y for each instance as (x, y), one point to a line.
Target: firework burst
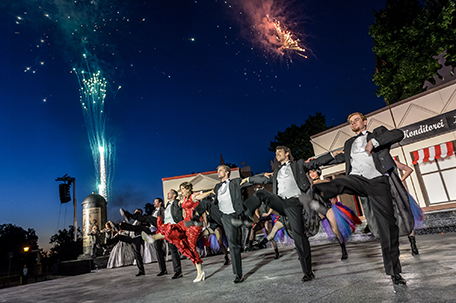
(270, 23)
(90, 27)
(286, 41)
(92, 96)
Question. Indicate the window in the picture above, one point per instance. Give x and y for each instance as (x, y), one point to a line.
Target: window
(437, 173)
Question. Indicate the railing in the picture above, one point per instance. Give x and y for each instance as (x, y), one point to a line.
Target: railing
(11, 280)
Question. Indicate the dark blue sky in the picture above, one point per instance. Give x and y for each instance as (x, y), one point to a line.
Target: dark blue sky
(196, 83)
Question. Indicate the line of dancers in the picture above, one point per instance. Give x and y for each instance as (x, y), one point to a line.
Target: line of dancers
(300, 201)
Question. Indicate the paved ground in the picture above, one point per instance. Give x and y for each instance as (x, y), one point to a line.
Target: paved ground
(431, 277)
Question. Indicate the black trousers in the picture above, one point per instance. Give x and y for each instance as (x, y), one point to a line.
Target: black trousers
(233, 234)
(175, 257)
(378, 191)
(145, 219)
(136, 242)
(291, 208)
(160, 253)
(135, 228)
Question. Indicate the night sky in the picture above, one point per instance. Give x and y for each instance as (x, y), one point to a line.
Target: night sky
(198, 79)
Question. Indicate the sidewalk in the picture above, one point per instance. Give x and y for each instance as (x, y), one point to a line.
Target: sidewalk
(431, 277)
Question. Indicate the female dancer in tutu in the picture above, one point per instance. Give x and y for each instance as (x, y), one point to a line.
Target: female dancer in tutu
(338, 218)
(416, 210)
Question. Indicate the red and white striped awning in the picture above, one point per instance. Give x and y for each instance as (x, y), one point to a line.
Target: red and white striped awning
(433, 152)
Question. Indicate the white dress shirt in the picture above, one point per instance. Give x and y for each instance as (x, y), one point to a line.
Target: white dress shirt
(168, 218)
(286, 183)
(361, 161)
(224, 198)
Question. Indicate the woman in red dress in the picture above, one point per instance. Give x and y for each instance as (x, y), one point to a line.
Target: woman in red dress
(183, 237)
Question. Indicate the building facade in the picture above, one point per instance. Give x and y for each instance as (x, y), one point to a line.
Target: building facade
(205, 181)
(429, 124)
(201, 181)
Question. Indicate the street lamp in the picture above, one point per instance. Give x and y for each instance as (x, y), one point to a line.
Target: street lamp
(26, 249)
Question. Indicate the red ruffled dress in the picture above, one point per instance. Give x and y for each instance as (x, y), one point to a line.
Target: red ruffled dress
(183, 237)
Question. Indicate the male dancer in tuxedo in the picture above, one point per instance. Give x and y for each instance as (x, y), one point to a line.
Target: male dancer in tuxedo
(145, 227)
(216, 229)
(136, 241)
(172, 214)
(159, 244)
(227, 205)
(367, 165)
(289, 184)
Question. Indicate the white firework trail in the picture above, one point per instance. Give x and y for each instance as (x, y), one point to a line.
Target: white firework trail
(92, 96)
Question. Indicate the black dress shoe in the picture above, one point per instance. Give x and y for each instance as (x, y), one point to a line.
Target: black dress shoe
(262, 244)
(140, 274)
(227, 261)
(344, 252)
(162, 273)
(308, 277)
(413, 245)
(239, 279)
(397, 279)
(177, 275)
(277, 254)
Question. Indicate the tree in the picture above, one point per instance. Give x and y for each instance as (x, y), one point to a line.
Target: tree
(64, 247)
(297, 138)
(407, 35)
(149, 209)
(13, 239)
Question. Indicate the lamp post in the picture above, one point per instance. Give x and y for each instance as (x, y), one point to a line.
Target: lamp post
(24, 275)
(26, 250)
